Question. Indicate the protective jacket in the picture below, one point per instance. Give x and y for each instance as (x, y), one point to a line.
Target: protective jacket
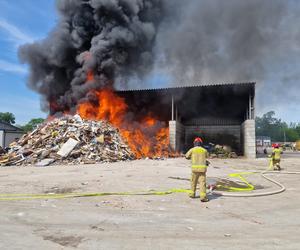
(199, 157)
(276, 154)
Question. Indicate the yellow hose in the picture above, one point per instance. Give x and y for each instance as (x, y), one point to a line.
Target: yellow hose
(12, 197)
(15, 197)
(263, 174)
(248, 187)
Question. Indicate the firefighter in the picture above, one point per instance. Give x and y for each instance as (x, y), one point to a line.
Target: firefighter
(276, 157)
(198, 155)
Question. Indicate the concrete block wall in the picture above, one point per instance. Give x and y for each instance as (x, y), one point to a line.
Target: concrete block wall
(213, 130)
(176, 131)
(248, 133)
(245, 134)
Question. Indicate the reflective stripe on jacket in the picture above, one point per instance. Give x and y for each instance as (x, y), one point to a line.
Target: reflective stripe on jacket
(198, 156)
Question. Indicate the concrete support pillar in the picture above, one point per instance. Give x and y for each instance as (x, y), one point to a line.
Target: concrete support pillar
(176, 130)
(248, 131)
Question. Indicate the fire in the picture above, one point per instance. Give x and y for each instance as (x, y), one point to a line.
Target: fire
(147, 137)
(90, 76)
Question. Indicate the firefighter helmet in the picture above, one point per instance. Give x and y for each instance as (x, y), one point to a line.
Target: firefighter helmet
(198, 140)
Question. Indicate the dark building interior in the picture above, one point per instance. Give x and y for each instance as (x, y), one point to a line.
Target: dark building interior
(215, 112)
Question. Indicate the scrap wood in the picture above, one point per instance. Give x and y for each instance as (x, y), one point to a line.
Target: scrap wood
(69, 140)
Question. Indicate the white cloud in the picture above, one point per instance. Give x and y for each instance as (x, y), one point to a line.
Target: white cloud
(12, 67)
(17, 35)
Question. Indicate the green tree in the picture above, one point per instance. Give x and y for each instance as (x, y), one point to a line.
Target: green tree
(7, 117)
(291, 135)
(32, 124)
(297, 128)
(269, 125)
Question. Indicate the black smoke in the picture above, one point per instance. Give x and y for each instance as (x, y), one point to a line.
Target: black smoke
(109, 38)
(190, 42)
(221, 41)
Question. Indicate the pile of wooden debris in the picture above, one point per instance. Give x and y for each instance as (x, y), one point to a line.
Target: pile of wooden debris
(68, 140)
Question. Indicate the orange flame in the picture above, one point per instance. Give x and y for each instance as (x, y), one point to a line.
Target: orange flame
(90, 76)
(146, 138)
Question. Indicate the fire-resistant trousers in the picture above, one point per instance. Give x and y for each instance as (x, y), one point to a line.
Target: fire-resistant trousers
(201, 177)
(275, 164)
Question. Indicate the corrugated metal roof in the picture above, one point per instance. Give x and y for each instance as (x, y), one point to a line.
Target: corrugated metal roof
(8, 127)
(194, 85)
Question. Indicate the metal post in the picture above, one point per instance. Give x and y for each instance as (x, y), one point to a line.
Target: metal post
(176, 113)
(172, 107)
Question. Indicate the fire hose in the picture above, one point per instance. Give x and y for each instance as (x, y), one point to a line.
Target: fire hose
(263, 174)
(17, 197)
(247, 188)
(232, 191)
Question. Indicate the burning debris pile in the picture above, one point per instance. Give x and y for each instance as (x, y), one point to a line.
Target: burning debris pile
(96, 48)
(69, 140)
(147, 136)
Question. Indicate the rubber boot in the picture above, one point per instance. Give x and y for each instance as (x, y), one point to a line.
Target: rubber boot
(278, 167)
(192, 195)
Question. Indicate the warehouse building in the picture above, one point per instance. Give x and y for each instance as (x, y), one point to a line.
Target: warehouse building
(220, 113)
(8, 134)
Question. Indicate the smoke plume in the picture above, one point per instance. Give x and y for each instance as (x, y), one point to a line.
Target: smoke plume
(195, 41)
(217, 41)
(221, 41)
(102, 38)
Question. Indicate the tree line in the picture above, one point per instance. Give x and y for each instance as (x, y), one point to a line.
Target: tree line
(278, 130)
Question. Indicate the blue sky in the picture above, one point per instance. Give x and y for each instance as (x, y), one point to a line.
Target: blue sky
(21, 21)
(24, 21)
